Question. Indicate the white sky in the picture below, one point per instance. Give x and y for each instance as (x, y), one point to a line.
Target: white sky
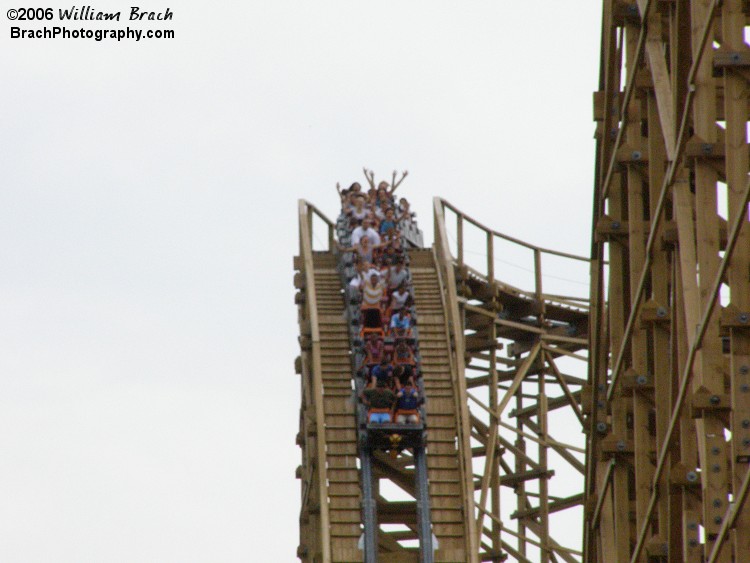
(148, 221)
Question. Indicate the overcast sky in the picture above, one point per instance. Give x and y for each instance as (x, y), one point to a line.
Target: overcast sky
(148, 203)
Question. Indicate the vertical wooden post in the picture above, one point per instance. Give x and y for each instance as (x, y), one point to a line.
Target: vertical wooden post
(669, 530)
(490, 257)
(521, 500)
(641, 405)
(495, 479)
(543, 484)
(712, 450)
(538, 290)
(736, 149)
(460, 239)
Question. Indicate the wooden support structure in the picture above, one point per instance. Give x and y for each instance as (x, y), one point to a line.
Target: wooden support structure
(669, 369)
(523, 356)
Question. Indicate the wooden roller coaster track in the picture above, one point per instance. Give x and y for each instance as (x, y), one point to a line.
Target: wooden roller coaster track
(661, 469)
(488, 415)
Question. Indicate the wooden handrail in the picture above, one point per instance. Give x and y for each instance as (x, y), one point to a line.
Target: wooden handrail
(464, 217)
(311, 210)
(446, 275)
(306, 212)
(489, 235)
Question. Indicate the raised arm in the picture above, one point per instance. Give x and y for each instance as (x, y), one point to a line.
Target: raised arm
(396, 184)
(370, 176)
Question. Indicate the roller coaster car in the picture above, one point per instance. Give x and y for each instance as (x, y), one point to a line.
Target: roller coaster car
(392, 436)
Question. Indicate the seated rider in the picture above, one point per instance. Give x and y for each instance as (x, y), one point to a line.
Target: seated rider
(388, 224)
(404, 212)
(358, 211)
(397, 274)
(355, 191)
(393, 245)
(373, 294)
(400, 324)
(379, 402)
(399, 297)
(403, 353)
(385, 267)
(381, 372)
(373, 290)
(383, 197)
(349, 195)
(363, 273)
(365, 229)
(364, 250)
(407, 401)
(373, 350)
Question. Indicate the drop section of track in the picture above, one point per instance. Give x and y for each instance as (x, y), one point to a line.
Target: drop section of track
(345, 515)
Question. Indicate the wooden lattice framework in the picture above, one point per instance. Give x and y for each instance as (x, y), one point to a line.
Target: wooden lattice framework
(522, 356)
(669, 398)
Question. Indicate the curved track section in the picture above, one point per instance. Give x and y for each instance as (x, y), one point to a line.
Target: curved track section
(521, 358)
